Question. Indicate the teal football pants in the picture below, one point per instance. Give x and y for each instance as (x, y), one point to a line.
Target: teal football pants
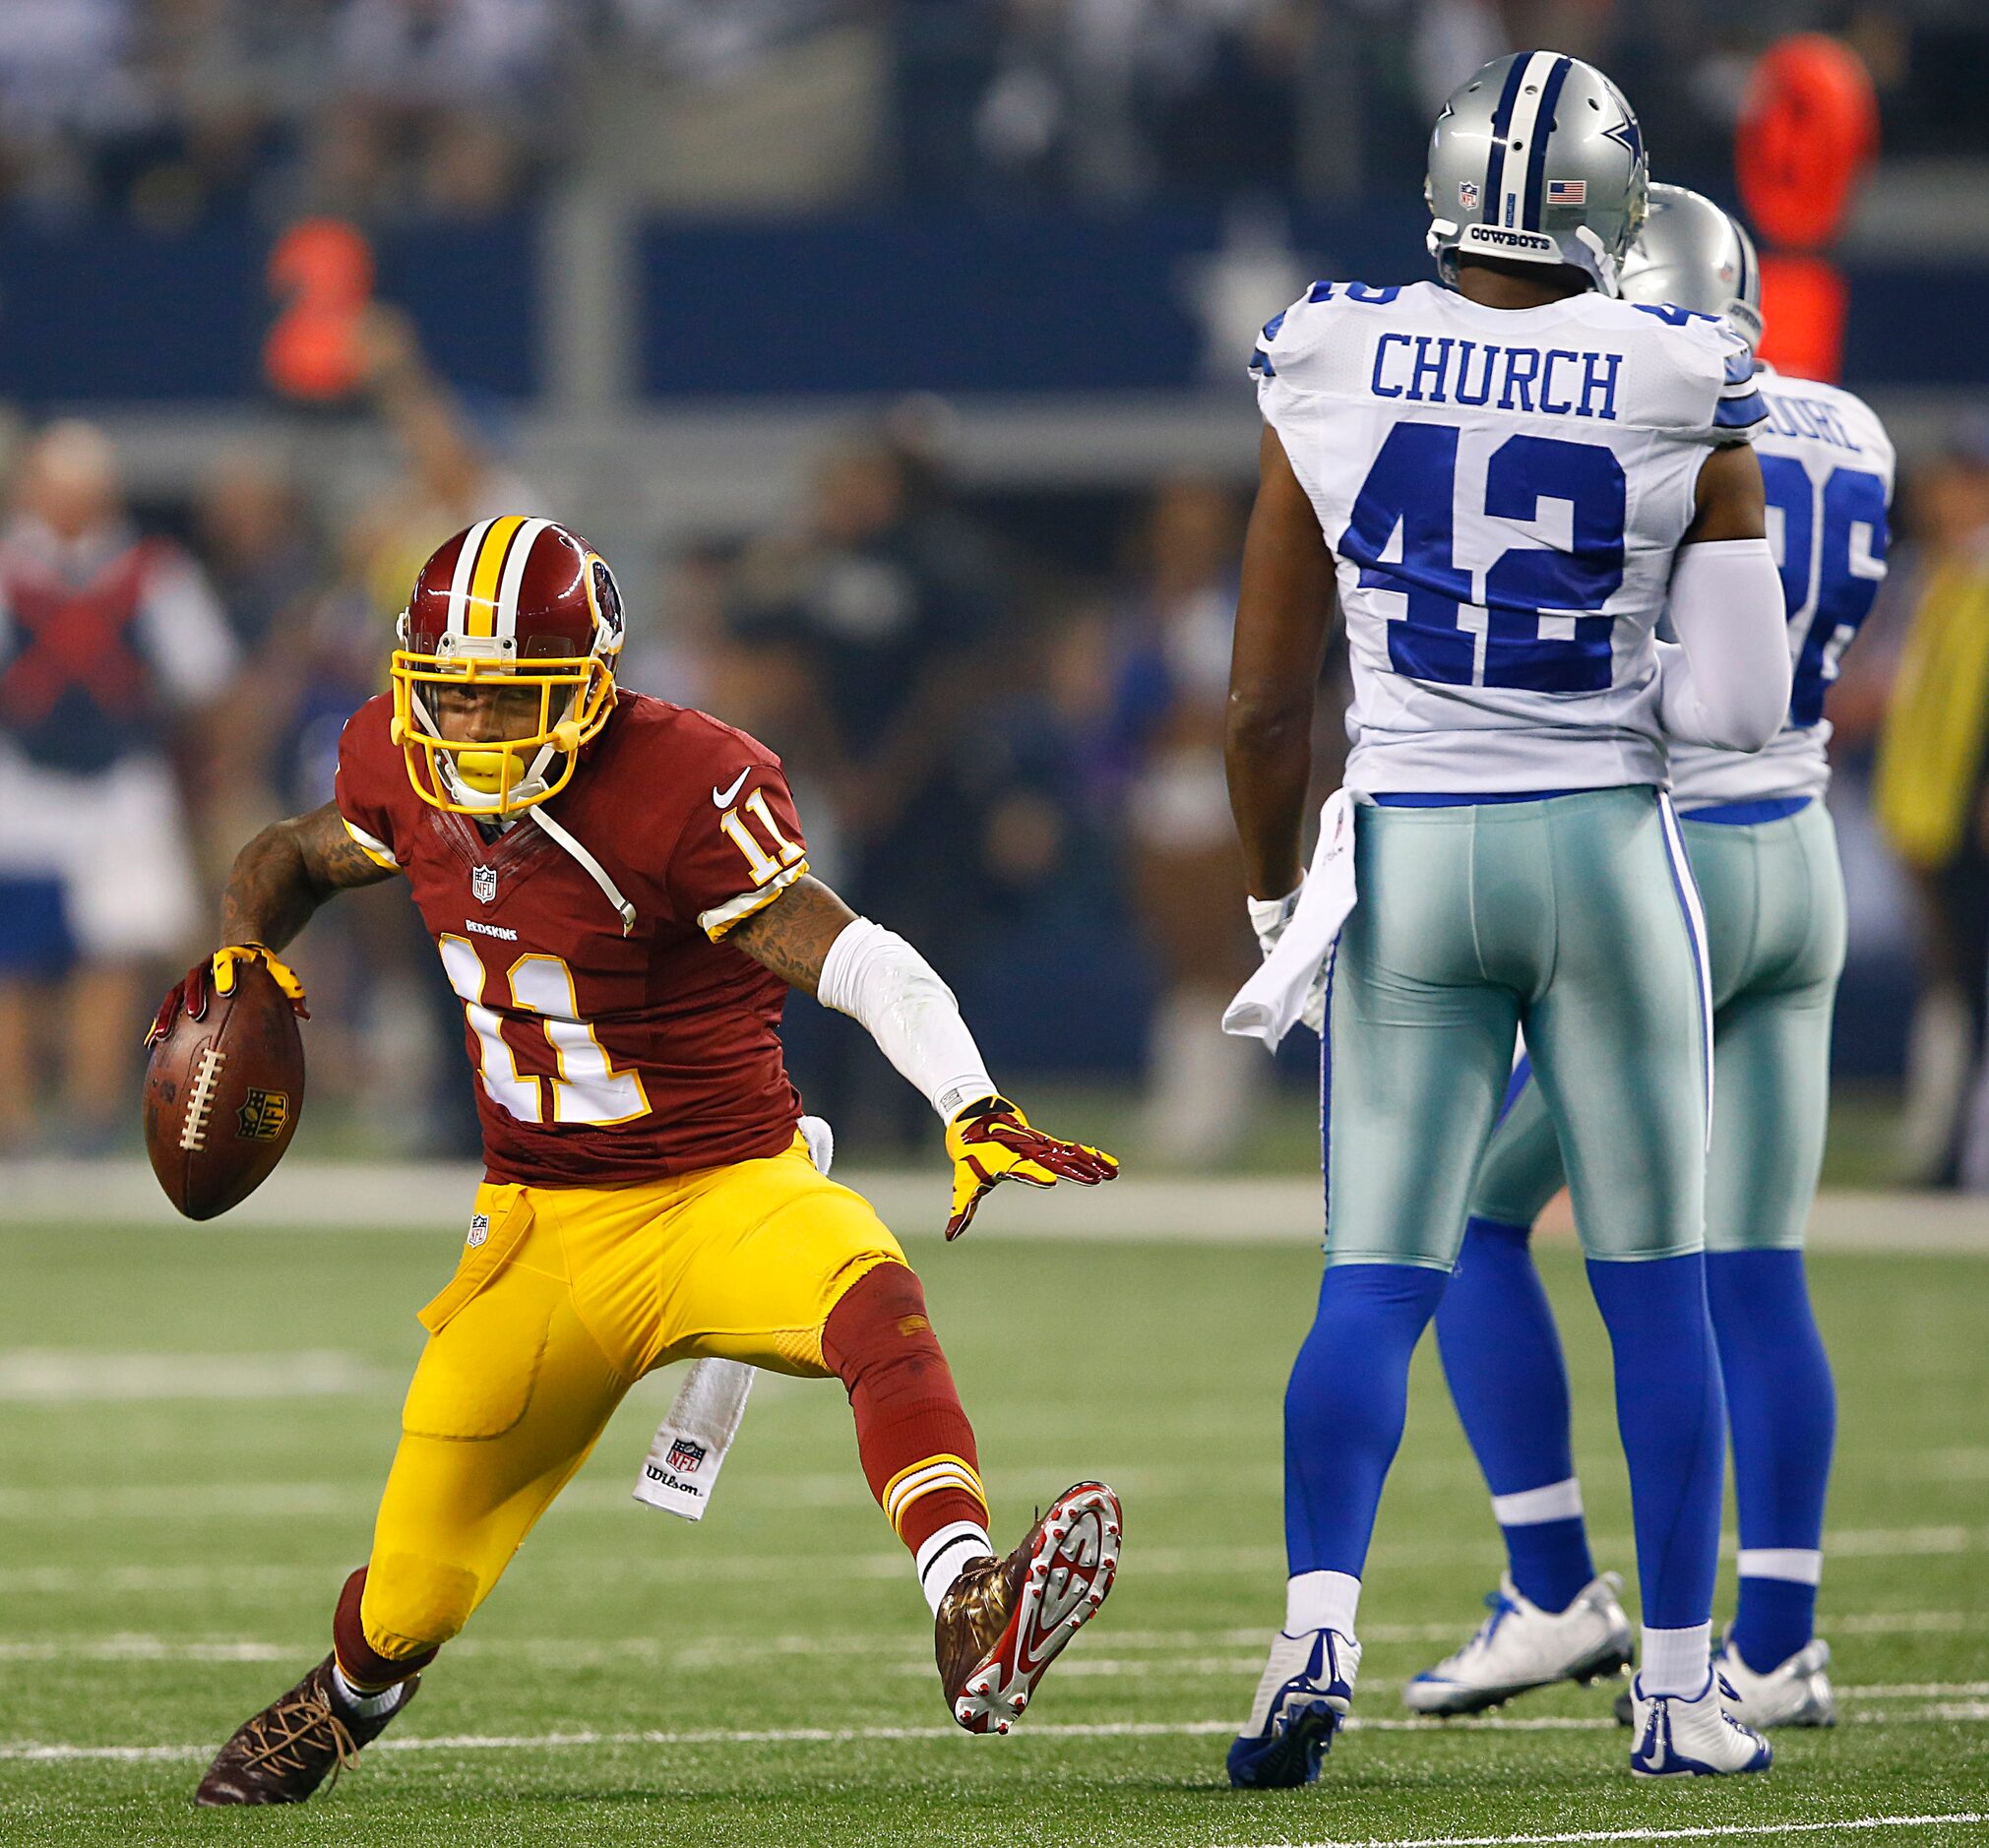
(1575, 917)
(1773, 899)
(1567, 916)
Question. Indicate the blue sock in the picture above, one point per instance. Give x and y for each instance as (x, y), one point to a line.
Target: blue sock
(1344, 1408)
(1782, 1409)
(1672, 1415)
(1502, 1358)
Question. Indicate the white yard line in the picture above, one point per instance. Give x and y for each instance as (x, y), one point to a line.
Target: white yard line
(1966, 1818)
(1152, 1646)
(670, 1564)
(1138, 1650)
(34, 1752)
(67, 1376)
(433, 1199)
(1906, 1623)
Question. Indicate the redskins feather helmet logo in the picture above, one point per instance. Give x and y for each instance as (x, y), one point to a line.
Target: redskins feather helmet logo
(606, 598)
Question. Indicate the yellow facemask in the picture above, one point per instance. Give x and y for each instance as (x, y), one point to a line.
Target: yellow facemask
(490, 778)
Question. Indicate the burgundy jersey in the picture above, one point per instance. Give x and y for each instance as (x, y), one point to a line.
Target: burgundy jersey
(606, 1057)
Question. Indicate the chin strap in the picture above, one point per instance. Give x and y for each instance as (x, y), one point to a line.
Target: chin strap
(592, 867)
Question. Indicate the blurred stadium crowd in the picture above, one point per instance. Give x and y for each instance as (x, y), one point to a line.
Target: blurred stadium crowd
(986, 743)
(1006, 749)
(171, 108)
(1002, 709)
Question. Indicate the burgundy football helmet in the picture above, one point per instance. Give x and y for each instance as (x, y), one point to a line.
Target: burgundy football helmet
(524, 607)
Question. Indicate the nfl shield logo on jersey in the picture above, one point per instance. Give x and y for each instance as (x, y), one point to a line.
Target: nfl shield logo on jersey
(483, 883)
(479, 1229)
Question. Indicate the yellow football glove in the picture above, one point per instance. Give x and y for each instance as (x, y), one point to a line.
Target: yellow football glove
(991, 1140)
(191, 992)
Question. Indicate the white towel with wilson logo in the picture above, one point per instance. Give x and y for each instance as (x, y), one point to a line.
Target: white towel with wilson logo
(689, 1447)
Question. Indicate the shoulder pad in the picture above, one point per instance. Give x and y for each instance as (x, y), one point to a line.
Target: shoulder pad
(1718, 400)
(1301, 327)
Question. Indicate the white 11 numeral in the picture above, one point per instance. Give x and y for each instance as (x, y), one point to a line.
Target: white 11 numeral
(589, 1089)
(759, 862)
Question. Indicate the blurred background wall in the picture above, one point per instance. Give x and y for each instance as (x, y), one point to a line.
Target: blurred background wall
(892, 350)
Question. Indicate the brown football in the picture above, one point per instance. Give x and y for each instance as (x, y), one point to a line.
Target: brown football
(222, 1095)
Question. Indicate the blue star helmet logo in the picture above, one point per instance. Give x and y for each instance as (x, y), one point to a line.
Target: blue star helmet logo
(1628, 135)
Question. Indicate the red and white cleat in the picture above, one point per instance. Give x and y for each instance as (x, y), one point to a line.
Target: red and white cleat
(1006, 1620)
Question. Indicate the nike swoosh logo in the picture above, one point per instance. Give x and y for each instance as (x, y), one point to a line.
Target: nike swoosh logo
(739, 782)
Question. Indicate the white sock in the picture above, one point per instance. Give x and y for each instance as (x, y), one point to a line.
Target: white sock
(1558, 1501)
(1321, 1601)
(940, 1558)
(367, 1706)
(1804, 1566)
(1675, 1661)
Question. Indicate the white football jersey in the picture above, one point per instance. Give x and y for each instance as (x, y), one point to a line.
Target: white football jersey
(1503, 490)
(1827, 464)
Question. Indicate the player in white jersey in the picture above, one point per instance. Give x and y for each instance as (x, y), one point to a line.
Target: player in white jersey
(1761, 845)
(1508, 479)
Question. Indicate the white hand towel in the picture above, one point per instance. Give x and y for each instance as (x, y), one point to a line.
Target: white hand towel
(689, 1447)
(1271, 1002)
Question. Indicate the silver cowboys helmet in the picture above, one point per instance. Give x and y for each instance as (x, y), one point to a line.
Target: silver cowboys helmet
(1692, 254)
(1537, 158)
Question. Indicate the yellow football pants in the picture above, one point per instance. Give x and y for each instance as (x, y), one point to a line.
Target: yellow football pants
(564, 1298)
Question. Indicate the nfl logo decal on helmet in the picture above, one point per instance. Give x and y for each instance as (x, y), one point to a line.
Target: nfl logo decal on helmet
(1543, 154)
(520, 609)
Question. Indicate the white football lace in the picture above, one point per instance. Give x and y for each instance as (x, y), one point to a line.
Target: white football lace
(199, 1100)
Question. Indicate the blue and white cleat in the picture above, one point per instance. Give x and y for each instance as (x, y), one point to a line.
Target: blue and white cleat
(1677, 1737)
(1521, 1648)
(1305, 1693)
(1794, 1692)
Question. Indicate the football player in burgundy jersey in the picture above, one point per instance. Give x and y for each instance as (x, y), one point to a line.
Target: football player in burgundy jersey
(619, 891)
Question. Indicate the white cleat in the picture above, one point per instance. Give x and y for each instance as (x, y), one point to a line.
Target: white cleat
(1795, 1692)
(1520, 1646)
(1699, 1737)
(1305, 1691)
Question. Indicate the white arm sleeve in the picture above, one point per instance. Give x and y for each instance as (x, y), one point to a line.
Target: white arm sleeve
(883, 984)
(1728, 682)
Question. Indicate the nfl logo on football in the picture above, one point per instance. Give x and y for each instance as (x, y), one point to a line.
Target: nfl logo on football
(685, 1456)
(483, 884)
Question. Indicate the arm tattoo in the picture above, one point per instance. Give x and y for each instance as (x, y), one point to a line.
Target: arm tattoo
(287, 872)
(792, 936)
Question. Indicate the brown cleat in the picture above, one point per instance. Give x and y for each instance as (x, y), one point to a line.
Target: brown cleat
(1004, 1622)
(292, 1745)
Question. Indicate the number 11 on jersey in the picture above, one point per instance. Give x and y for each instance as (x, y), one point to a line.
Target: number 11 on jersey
(588, 1088)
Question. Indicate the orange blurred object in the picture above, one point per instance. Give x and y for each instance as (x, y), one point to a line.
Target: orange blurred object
(322, 270)
(1809, 129)
(1803, 304)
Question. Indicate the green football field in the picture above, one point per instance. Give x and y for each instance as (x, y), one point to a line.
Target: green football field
(193, 1425)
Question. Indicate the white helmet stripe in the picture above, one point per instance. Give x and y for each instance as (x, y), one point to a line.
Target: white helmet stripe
(459, 585)
(514, 576)
(1521, 138)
